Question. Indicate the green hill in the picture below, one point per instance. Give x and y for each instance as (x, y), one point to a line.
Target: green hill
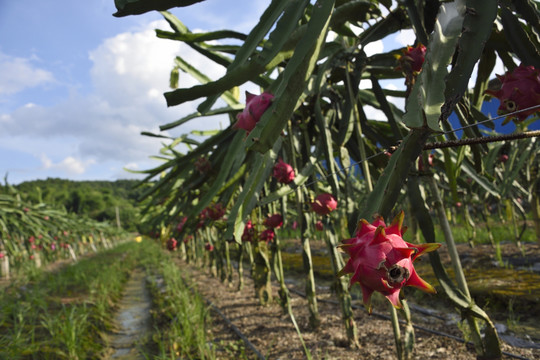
(95, 199)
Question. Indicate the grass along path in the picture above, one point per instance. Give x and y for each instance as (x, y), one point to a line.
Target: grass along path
(61, 315)
(91, 310)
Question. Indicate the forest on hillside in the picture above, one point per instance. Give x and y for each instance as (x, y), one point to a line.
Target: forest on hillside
(94, 199)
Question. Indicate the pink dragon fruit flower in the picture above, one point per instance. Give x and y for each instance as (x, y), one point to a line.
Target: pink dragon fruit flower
(209, 247)
(256, 105)
(2, 255)
(249, 231)
(324, 204)
(520, 90)
(319, 226)
(503, 158)
(267, 235)
(380, 260)
(283, 172)
(274, 221)
(53, 246)
(171, 244)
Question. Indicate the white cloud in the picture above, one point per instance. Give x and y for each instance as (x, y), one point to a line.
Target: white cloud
(130, 72)
(17, 74)
(375, 47)
(405, 37)
(69, 165)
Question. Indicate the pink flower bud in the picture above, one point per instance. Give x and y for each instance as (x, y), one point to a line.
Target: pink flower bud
(247, 235)
(410, 63)
(209, 247)
(275, 221)
(256, 105)
(215, 211)
(171, 244)
(180, 225)
(283, 172)
(319, 226)
(267, 235)
(324, 204)
(203, 165)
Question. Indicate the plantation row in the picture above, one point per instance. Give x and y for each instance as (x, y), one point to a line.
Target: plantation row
(308, 151)
(35, 234)
(69, 314)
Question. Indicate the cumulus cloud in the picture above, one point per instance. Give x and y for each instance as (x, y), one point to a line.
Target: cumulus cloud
(69, 165)
(405, 37)
(18, 73)
(130, 72)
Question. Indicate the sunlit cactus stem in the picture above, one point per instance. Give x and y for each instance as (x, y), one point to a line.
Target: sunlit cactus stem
(280, 275)
(314, 317)
(261, 273)
(240, 269)
(341, 286)
(228, 264)
(488, 346)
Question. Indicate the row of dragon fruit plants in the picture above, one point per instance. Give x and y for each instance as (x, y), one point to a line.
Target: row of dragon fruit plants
(305, 150)
(35, 234)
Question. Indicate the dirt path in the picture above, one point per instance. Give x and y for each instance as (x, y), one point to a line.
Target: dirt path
(132, 320)
(273, 334)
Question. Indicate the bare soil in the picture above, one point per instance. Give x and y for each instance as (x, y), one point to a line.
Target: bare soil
(271, 331)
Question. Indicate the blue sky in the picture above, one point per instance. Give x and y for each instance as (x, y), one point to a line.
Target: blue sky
(77, 85)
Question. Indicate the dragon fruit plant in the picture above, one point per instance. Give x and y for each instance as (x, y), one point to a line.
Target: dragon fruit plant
(410, 63)
(249, 232)
(520, 90)
(380, 260)
(171, 244)
(283, 172)
(267, 235)
(256, 105)
(215, 211)
(274, 221)
(324, 204)
(203, 165)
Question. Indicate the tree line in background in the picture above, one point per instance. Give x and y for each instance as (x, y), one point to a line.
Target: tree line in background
(96, 200)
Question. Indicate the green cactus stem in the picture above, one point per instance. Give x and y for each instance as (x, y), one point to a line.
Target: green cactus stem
(261, 273)
(342, 286)
(240, 269)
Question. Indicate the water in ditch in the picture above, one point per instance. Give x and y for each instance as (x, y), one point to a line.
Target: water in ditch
(132, 320)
